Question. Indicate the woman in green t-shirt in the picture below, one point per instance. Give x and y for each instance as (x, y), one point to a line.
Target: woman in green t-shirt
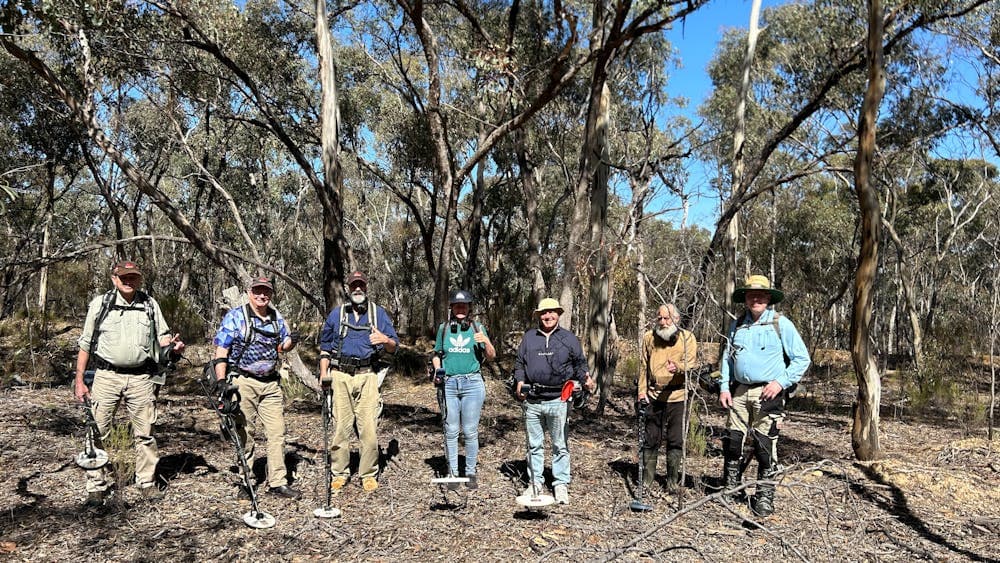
(460, 346)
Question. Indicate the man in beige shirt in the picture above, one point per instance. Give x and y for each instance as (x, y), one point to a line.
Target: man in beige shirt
(668, 353)
(124, 348)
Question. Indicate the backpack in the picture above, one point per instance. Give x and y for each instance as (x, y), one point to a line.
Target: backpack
(248, 336)
(478, 350)
(108, 304)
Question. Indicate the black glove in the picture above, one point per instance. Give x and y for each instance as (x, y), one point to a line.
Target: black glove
(220, 387)
(294, 336)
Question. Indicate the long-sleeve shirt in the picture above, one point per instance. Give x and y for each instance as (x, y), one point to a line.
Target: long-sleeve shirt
(550, 360)
(655, 381)
(755, 354)
(357, 343)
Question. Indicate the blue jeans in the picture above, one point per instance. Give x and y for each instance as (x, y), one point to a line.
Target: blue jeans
(547, 416)
(464, 397)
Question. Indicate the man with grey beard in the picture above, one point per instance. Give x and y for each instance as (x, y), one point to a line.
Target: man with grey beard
(668, 353)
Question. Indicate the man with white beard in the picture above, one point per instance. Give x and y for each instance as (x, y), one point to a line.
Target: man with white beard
(354, 337)
(668, 353)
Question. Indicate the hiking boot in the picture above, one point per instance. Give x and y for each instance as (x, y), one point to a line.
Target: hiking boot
(338, 484)
(562, 494)
(369, 484)
(285, 491)
(762, 502)
(151, 493)
(95, 499)
(472, 483)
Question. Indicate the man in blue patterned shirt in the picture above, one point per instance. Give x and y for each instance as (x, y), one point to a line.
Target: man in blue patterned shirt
(247, 347)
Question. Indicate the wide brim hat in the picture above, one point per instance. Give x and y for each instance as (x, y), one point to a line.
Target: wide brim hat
(548, 304)
(757, 283)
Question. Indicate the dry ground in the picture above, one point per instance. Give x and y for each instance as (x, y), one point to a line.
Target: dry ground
(935, 496)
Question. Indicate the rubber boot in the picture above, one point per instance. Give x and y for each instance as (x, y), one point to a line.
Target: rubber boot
(648, 469)
(731, 475)
(762, 502)
(673, 469)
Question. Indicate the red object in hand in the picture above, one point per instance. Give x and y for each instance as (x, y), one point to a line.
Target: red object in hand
(567, 390)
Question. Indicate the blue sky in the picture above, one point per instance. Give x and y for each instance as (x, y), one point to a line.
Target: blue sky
(695, 42)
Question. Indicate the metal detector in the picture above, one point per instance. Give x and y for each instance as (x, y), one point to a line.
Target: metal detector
(225, 405)
(327, 511)
(91, 457)
(637, 504)
(537, 499)
(442, 401)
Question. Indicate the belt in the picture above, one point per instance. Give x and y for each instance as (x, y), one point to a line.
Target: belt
(352, 370)
(471, 374)
(270, 376)
(144, 368)
(355, 362)
(752, 385)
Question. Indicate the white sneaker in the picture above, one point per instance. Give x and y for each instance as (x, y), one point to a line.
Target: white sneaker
(532, 491)
(562, 494)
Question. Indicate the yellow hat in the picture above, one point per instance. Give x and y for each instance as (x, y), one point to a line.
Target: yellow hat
(548, 304)
(757, 283)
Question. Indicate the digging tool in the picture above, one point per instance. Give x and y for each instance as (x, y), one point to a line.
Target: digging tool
(91, 457)
(637, 504)
(327, 511)
(226, 404)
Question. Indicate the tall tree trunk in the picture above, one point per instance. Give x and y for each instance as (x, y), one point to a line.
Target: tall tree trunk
(529, 186)
(864, 433)
(600, 281)
(739, 164)
(43, 274)
(476, 219)
(336, 252)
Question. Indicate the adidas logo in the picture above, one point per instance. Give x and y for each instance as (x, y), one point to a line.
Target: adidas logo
(459, 344)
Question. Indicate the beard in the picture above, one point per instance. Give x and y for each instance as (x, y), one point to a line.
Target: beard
(665, 333)
(358, 298)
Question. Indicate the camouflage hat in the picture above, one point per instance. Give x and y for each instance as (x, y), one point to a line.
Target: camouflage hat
(261, 281)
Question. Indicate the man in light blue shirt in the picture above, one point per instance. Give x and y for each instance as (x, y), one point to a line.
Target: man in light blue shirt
(764, 356)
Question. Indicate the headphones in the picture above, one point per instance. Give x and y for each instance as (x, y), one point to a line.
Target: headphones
(454, 324)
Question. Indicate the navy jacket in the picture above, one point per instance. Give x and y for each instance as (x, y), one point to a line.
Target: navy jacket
(550, 360)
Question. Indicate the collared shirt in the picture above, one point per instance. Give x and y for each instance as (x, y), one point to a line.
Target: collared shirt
(124, 338)
(357, 343)
(260, 355)
(654, 377)
(755, 354)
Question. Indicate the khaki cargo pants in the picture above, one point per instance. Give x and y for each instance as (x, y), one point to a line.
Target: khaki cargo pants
(140, 402)
(355, 400)
(263, 400)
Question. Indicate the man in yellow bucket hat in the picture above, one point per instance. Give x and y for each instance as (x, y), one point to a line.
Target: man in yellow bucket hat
(763, 357)
(547, 359)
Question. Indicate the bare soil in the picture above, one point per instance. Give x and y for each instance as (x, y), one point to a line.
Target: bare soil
(934, 496)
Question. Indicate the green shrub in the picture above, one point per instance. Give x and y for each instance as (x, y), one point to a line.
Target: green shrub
(697, 442)
(121, 454)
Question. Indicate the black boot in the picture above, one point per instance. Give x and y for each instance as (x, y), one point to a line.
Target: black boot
(673, 469)
(762, 502)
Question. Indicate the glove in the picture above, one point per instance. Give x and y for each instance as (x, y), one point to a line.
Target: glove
(439, 376)
(642, 406)
(294, 336)
(220, 387)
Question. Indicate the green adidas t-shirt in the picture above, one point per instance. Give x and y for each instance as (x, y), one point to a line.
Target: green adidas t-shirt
(459, 348)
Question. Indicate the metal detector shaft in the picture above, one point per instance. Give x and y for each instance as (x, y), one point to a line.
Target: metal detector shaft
(327, 415)
(229, 431)
(638, 505)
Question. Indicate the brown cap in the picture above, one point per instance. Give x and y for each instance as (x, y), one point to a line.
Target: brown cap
(126, 267)
(261, 282)
(356, 277)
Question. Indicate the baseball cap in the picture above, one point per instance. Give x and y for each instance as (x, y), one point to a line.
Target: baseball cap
(126, 267)
(356, 277)
(261, 281)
